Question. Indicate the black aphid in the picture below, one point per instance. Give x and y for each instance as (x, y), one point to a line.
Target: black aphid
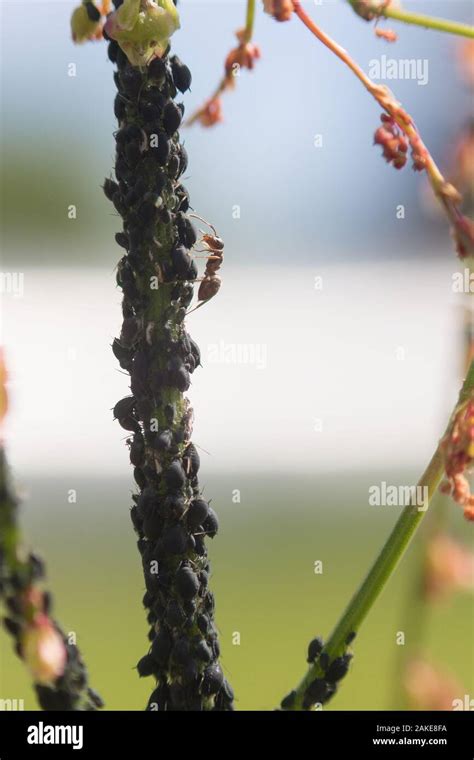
(181, 74)
(338, 668)
(314, 649)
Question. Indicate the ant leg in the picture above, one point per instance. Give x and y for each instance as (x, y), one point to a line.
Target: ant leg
(211, 226)
(209, 258)
(197, 307)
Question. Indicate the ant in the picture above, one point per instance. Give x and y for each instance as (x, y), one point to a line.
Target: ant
(214, 246)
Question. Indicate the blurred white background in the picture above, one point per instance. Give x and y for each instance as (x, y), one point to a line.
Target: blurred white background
(361, 373)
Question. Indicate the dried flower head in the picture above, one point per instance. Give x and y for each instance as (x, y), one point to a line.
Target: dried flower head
(281, 10)
(466, 61)
(418, 154)
(458, 451)
(449, 567)
(211, 112)
(394, 144)
(386, 34)
(243, 56)
(430, 688)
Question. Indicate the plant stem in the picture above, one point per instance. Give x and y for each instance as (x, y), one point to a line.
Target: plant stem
(416, 19)
(416, 606)
(228, 80)
(249, 20)
(429, 22)
(416, 610)
(385, 564)
(448, 196)
(157, 275)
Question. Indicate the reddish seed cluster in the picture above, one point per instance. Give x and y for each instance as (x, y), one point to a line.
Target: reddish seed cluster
(418, 154)
(394, 144)
(243, 56)
(281, 10)
(211, 112)
(430, 688)
(458, 450)
(449, 567)
(386, 34)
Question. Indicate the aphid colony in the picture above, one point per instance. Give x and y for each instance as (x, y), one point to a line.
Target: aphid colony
(169, 514)
(321, 689)
(29, 610)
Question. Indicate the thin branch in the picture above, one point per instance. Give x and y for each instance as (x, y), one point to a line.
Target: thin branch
(449, 197)
(383, 567)
(244, 56)
(370, 10)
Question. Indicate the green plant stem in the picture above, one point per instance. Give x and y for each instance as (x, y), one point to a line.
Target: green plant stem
(429, 22)
(249, 20)
(416, 606)
(385, 564)
(416, 19)
(223, 85)
(416, 609)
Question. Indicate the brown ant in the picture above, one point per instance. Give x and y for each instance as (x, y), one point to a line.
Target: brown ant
(213, 245)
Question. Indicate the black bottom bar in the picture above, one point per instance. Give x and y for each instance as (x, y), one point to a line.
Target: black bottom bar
(424, 734)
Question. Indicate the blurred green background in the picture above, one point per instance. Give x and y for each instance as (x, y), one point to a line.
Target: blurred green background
(264, 581)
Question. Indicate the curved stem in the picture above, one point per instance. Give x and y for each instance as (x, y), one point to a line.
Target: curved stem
(416, 606)
(384, 565)
(447, 195)
(416, 19)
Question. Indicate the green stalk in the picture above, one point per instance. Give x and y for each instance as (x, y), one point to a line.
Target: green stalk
(249, 19)
(384, 566)
(374, 10)
(429, 22)
(416, 610)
